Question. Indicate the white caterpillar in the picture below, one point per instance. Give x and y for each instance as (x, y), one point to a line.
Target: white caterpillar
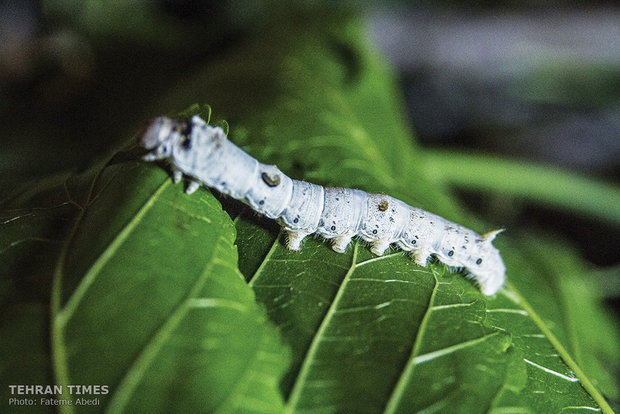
(204, 154)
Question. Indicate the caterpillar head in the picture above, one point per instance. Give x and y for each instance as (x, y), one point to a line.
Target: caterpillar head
(488, 267)
(160, 137)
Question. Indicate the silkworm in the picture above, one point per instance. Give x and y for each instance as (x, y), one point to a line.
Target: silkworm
(203, 153)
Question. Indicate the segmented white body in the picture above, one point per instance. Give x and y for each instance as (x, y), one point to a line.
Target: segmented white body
(204, 154)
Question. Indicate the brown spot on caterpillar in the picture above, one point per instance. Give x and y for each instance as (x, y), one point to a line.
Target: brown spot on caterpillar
(384, 205)
(271, 181)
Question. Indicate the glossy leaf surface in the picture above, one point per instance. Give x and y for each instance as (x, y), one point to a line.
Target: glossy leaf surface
(371, 334)
(147, 300)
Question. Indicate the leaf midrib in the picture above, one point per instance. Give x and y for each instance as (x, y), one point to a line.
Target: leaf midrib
(57, 344)
(58, 317)
(312, 350)
(135, 371)
(65, 313)
(399, 387)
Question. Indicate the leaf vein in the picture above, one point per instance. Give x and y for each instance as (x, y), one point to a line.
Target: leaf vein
(399, 388)
(135, 372)
(552, 372)
(86, 282)
(316, 340)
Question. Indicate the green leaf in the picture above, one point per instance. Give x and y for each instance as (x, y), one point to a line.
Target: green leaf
(371, 334)
(145, 291)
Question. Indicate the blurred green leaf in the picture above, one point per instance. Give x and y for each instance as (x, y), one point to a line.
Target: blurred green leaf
(578, 85)
(543, 185)
(139, 21)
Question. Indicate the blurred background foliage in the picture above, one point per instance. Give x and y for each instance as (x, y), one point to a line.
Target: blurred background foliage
(533, 81)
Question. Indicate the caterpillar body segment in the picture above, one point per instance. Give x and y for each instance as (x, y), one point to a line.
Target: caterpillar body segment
(203, 153)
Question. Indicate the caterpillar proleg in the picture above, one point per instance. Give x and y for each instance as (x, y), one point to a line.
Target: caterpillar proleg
(203, 153)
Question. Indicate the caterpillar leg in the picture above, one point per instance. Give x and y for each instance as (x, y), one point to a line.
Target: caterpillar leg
(294, 239)
(176, 176)
(340, 243)
(420, 257)
(192, 187)
(379, 247)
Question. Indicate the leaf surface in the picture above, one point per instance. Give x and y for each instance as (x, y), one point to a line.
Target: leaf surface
(146, 291)
(370, 334)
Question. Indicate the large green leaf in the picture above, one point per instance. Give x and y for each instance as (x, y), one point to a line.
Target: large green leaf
(146, 298)
(370, 333)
